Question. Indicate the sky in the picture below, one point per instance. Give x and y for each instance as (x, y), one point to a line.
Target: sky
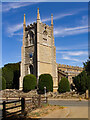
(70, 29)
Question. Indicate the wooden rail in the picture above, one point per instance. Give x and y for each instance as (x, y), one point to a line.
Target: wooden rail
(22, 106)
(34, 102)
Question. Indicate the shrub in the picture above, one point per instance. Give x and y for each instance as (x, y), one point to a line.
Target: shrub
(45, 80)
(7, 73)
(3, 83)
(82, 82)
(29, 82)
(11, 73)
(63, 85)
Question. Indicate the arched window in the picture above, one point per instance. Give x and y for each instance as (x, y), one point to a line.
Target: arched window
(31, 38)
(45, 36)
(31, 69)
(28, 39)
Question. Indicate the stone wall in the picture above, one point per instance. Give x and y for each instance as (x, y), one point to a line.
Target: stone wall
(12, 93)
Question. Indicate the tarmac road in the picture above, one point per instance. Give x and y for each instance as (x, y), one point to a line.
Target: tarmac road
(76, 109)
(68, 102)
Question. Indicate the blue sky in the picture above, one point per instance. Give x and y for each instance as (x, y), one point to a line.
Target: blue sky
(70, 29)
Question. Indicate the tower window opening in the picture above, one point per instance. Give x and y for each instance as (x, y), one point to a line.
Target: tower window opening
(31, 69)
(31, 38)
(45, 39)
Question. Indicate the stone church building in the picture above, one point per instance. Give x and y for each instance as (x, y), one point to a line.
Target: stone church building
(39, 54)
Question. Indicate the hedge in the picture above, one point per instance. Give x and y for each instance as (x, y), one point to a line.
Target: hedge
(11, 73)
(29, 82)
(45, 80)
(63, 85)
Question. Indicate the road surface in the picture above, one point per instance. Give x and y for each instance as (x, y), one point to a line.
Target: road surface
(74, 109)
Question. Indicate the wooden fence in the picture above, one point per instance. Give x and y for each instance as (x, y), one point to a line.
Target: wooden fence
(22, 104)
(6, 113)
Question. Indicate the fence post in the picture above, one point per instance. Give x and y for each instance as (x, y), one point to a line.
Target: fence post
(46, 99)
(23, 105)
(4, 109)
(39, 100)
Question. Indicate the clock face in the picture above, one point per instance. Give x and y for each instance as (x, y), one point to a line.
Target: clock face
(30, 55)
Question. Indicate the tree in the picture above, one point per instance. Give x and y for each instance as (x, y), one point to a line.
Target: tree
(63, 85)
(87, 67)
(45, 80)
(81, 82)
(3, 83)
(11, 73)
(7, 73)
(29, 82)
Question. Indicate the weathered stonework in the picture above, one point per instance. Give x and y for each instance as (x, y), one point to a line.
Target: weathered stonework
(38, 41)
(39, 54)
(68, 71)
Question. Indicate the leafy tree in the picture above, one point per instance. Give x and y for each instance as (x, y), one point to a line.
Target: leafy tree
(16, 79)
(81, 82)
(10, 75)
(29, 82)
(7, 73)
(63, 85)
(3, 83)
(45, 80)
(87, 67)
(88, 83)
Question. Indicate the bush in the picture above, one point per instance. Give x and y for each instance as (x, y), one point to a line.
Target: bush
(3, 83)
(82, 82)
(10, 75)
(45, 80)
(29, 82)
(7, 73)
(63, 85)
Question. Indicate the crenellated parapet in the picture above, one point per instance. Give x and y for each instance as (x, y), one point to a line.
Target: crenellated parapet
(71, 71)
(31, 26)
(69, 67)
(45, 25)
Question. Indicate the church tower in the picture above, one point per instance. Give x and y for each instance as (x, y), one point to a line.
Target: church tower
(38, 51)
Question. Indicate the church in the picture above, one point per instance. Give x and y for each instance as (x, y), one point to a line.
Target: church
(38, 54)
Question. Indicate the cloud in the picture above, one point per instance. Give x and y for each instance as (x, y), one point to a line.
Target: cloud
(69, 58)
(73, 53)
(14, 5)
(58, 32)
(15, 28)
(56, 17)
(74, 47)
(61, 32)
(11, 30)
(80, 28)
(59, 16)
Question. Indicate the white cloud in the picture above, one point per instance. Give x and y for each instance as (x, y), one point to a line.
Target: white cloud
(70, 31)
(76, 28)
(74, 47)
(14, 5)
(15, 28)
(59, 16)
(81, 27)
(73, 53)
(69, 58)
(60, 32)
(56, 17)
